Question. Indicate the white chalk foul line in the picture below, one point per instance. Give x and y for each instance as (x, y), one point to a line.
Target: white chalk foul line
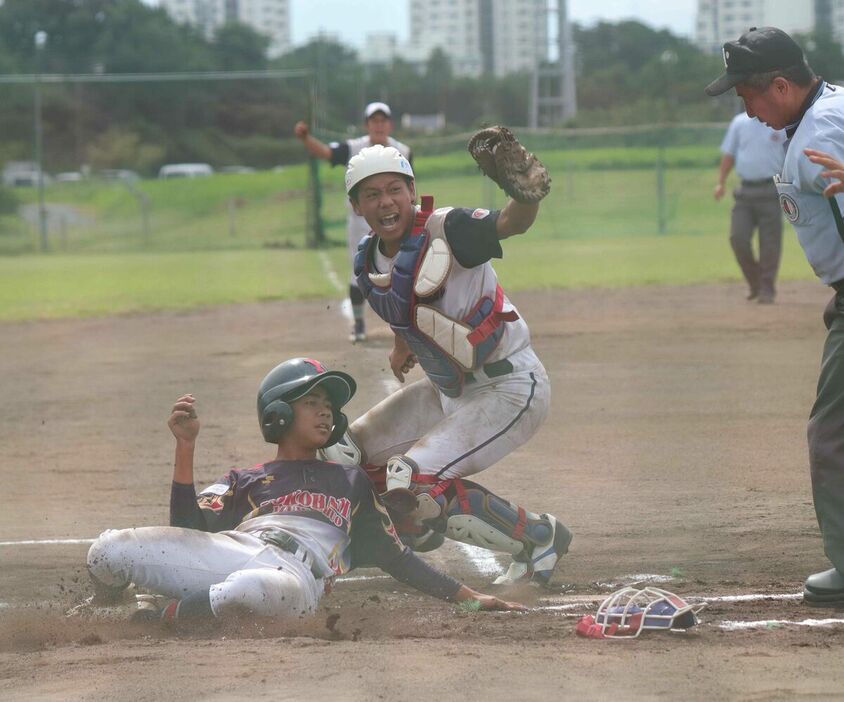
(329, 271)
(482, 559)
(353, 578)
(41, 542)
(773, 623)
(331, 274)
(748, 598)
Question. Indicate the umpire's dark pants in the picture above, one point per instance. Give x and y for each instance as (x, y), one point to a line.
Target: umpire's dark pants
(757, 206)
(826, 436)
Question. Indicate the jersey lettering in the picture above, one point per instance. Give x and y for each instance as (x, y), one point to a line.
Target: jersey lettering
(336, 510)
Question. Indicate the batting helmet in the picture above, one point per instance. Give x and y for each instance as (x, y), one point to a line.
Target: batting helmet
(291, 380)
(373, 160)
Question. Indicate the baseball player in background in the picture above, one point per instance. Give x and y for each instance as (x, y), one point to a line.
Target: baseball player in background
(378, 122)
(770, 74)
(428, 274)
(757, 152)
(266, 540)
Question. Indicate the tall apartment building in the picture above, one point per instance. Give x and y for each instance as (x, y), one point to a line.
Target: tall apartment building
(269, 17)
(380, 47)
(480, 36)
(719, 21)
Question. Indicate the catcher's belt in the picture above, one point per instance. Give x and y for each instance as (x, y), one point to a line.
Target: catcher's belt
(492, 370)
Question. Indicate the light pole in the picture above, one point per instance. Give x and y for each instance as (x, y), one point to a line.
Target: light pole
(40, 41)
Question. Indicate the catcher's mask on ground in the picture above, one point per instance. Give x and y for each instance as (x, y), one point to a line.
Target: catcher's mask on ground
(628, 612)
(373, 160)
(289, 381)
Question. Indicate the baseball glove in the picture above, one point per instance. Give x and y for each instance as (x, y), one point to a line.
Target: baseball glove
(503, 159)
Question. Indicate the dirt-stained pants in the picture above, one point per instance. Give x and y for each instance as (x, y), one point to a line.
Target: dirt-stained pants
(238, 570)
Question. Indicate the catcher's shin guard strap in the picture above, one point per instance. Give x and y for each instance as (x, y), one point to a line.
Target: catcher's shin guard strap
(475, 515)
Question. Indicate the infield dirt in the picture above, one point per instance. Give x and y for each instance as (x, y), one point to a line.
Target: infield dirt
(675, 447)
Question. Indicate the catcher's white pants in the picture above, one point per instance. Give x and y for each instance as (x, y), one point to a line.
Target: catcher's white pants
(239, 571)
(457, 437)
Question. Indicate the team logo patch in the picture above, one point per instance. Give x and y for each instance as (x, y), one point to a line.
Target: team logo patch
(215, 489)
(212, 502)
(480, 213)
(789, 207)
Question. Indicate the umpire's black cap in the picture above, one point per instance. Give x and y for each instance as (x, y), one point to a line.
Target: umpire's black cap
(759, 50)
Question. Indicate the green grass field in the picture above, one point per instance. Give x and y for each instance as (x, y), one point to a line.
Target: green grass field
(239, 238)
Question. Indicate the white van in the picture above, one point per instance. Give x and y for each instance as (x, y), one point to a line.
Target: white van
(185, 170)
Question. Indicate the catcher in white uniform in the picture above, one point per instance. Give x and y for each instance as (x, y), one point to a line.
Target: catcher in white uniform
(378, 122)
(428, 274)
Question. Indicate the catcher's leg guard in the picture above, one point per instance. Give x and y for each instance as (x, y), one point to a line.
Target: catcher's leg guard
(465, 511)
(537, 562)
(474, 515)
(410, 525)
(403, 474)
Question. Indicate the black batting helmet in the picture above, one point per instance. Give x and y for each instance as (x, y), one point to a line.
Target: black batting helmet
(291, 380)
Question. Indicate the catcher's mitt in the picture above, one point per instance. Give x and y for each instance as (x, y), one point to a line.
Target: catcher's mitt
(503, 159)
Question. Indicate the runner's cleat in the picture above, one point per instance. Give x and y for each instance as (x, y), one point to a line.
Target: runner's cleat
(153, 608)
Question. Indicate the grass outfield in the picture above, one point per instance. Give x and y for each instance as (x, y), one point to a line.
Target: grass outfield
(44, 287)
(240, 238)
(596, 192)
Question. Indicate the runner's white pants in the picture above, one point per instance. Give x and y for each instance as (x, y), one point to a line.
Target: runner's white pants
(239, 571)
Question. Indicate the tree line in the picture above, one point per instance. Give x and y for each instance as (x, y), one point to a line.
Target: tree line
(627, 73)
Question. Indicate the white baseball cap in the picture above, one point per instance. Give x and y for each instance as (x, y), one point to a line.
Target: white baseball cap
(374, 107)
(373, 160)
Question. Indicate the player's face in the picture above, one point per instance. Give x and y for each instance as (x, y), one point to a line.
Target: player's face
(771, 106)
(385, 201)
(313, 418)
(379, 127)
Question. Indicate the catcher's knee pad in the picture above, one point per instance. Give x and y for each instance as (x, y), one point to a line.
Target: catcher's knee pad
(400, 472)
(403, 474)
(344, 451)
(476, 516)
(419, 537)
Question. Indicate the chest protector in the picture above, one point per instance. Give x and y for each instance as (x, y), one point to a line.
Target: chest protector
(446, 348)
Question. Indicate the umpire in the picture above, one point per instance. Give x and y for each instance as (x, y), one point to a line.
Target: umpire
(770, 73)
(757, 152)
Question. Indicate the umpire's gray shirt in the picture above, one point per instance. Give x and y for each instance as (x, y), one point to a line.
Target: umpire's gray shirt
(817, 219)
(756, 148)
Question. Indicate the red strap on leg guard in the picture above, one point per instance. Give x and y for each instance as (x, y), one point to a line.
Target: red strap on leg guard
(462, 500)
(521, 523)
(440, 486)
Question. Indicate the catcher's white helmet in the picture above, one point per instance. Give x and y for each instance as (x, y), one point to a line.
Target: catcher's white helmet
(373, 160)
(626, 613)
